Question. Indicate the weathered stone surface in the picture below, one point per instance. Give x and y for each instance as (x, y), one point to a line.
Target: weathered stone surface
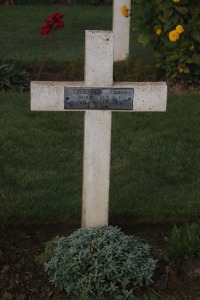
(121, 30)
(98, 58)
(96, 171)
(49, 95)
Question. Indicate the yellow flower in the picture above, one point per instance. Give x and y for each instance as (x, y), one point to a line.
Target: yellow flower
(179, 29)
(125, 11)
(173, 36)
(176, 1)
(158, 31)
(180, 69)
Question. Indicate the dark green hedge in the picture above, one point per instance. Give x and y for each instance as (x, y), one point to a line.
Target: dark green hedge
(67, 2)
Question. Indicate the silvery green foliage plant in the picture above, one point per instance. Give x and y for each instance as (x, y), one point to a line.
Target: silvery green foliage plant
(100, 262)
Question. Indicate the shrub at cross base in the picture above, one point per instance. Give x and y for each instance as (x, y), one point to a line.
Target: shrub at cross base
(99, 262)
(172, 27)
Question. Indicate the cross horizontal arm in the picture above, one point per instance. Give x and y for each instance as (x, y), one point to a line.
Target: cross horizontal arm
(49, 95)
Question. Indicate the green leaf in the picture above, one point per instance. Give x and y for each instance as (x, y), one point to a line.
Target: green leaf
(183, 58)
(168, 12)
(158, 65)
(157, 55)
(165, 5)
(182, 9)
(189, 61)
(195, 35)
(196, 59)
(195, 11)
(144, 39)
(176, 18)
(162, 19)
(173, 57)
(186, 70)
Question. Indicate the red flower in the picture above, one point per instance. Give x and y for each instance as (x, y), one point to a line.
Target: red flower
(59, 24)
(49, 21)
(45, 30)
(57, 15)
(53, 22)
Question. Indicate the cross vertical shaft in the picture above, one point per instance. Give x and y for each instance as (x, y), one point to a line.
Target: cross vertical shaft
(97, 131)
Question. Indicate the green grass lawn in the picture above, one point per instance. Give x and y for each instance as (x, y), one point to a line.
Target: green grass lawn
(20, 26)
(155, 162)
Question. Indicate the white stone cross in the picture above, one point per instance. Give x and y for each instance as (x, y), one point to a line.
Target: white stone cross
(121, 30)
(70, 96)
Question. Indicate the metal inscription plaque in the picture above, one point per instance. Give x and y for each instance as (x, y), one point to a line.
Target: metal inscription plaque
(98, 98)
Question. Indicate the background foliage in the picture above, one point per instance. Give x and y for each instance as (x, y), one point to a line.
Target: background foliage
(64, 2)
(179, 60)
(14, 78)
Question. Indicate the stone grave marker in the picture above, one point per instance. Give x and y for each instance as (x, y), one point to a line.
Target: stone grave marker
(121, 30)
(98, 96)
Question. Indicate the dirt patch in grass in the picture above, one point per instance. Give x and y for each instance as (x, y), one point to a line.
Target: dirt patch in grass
(182, 89)
(22, 278)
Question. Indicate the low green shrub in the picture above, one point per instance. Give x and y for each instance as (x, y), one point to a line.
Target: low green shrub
(184, 242)
(12, 77)
(99, 262)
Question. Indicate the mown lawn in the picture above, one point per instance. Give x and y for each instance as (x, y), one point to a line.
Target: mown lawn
(21, 40)
(155, 162)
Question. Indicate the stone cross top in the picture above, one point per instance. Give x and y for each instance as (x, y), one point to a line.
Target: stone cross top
(98, 96)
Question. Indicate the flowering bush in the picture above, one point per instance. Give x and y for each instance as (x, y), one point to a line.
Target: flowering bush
(172, 27)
